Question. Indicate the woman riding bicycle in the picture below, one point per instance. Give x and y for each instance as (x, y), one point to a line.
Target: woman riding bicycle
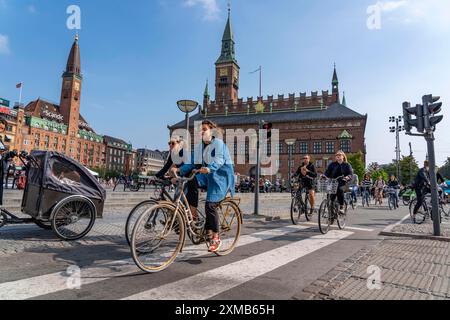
(379, 187)
(216, 174)
(366, 186)
(393, 183)
(340, 168)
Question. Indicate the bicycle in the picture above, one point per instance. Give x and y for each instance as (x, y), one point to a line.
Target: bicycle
(165, 225)
(300, 204)
(379, 196)
(424, 211)
(392, 198)
(350, 200)
(365, 198)
(329, 209)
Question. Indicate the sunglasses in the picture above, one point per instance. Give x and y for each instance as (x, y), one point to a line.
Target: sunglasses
(172, 143)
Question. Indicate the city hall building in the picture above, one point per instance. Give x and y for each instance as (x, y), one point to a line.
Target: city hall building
(44, 125)
(319, 122)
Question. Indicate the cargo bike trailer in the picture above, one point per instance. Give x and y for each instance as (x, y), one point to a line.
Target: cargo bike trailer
(60, 194)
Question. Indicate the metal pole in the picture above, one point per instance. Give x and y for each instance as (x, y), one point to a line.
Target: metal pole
(187, 128)
(410, 163)
(434, 192)
(290, 167)
(258, 169)
(260, 81)
(398, 148)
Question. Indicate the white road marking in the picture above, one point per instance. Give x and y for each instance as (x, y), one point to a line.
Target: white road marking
(346, 228)
(50, 283)
(392, 226)
(211, 283)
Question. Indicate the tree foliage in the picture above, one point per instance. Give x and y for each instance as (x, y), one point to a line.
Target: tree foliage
(357, 163)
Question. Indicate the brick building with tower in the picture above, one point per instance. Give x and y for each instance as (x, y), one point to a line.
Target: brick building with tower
(45, 125)
(319, 122)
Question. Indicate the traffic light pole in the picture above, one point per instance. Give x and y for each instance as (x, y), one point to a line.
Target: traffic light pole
(429, 137)
(410, 163)
(258, 168)
(397, 148)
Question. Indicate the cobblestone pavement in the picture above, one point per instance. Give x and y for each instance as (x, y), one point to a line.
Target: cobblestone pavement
(411, 269)
(425, 228)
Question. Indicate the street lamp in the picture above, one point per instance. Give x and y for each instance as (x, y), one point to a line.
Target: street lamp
(187, 106)
(290, 143)
(397, 129)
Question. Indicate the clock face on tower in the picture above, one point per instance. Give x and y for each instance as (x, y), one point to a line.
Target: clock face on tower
(223, 72)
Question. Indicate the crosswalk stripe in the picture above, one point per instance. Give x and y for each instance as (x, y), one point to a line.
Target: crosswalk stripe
(211, 283)
(346, 228)
(50, 283)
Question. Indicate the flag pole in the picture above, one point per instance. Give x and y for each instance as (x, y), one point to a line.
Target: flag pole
(20, 94)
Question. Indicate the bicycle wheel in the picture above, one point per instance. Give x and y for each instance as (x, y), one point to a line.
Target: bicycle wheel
(296, 210)
(134, 215)
(157, 238)
(390, 204)
(324, 217)
(421, 215)
(73, 217)
(342, 217)
(230, 221)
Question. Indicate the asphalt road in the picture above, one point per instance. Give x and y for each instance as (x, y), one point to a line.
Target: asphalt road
(273, 261)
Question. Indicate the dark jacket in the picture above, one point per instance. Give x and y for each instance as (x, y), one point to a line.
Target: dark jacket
(310, 167)
(336, 170)
(422, 179)
(393, 184)
(168, 165)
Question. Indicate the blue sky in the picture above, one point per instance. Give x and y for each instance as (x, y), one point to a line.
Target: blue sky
(139, 57)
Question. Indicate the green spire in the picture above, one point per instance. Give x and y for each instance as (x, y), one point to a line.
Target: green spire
(335, 77)
(206, 93)
(228, 53)
(344, 101)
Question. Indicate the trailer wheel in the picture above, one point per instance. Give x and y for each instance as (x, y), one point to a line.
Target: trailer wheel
(73, 217)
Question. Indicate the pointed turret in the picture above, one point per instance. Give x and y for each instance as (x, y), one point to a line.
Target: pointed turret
(228, 53)
(344, 101)
(206, 93)
(335, 85)
(74, 62)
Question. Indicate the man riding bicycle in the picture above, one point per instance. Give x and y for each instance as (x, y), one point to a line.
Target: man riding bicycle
(340, 168)
(306, 173)
(422, 185)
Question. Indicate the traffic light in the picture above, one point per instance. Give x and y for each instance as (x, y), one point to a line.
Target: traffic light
(408, 112)
(268, 126)
(431, 107)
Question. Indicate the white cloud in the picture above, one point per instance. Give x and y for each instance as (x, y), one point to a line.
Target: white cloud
(392, 5)
(434, 14)
(210, 7)
(4, 44)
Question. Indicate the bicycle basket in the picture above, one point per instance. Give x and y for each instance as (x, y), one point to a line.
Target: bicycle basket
(327, 186)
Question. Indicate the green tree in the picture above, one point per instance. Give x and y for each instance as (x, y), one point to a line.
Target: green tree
(406, 176)
(381, 172)
(357, 163)
(445, 169)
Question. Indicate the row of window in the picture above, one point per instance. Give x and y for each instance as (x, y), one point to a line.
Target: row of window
(301, 148)
(322, 163)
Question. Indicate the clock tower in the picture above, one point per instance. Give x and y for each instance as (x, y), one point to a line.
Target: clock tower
(70, 97)
(227, 68)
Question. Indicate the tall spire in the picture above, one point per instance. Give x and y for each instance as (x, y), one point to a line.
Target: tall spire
(335, 77)
(335, 85)
(227, 53)
(74, 61)
(344, 101)
(206, 93)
